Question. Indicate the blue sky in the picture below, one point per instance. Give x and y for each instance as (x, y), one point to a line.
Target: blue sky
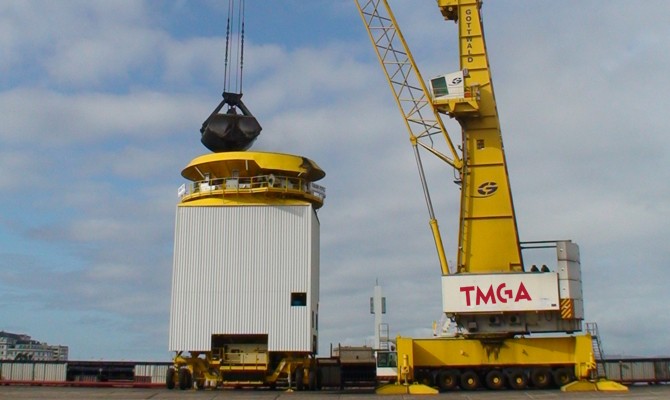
(102, 102)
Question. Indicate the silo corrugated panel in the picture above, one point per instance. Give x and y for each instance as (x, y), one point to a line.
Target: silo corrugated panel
(234, 270)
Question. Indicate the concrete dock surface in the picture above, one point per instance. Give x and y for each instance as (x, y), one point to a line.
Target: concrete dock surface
(640, 392)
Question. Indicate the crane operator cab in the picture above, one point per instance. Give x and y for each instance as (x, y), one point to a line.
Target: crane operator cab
(387, 366)
(448, 86)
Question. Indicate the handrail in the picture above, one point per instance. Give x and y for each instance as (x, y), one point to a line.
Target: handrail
(251, 185)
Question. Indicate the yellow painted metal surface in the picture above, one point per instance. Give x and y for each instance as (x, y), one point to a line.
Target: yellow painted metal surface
(567, 308)
(602, 385)
(252, 178)
(530, 351)
(251, 163)
(210, 371)
(488, 237)
(399, 389)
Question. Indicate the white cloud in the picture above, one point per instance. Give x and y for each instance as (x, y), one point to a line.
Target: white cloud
(106, 57)
(45, 117)
(195, 61)
(40, 33)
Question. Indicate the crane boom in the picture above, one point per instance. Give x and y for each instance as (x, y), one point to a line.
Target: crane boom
(488, 239)
(421, 118)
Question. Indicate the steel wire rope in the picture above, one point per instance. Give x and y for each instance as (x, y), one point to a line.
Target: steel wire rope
(234, 27)
(226, 74)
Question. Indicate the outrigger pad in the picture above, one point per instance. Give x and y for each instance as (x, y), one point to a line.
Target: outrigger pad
(230, 131)
(399, 389)
(602, 385)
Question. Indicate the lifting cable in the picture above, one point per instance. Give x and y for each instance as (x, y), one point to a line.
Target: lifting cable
(239, 47)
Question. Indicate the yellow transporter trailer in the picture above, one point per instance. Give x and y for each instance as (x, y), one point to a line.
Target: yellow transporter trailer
(245, 284)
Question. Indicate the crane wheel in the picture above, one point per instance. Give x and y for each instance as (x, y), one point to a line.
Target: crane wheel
(185, 379)
(495, 379)
(541, 377)
(300, 379)
(447, 379)
(423, 377)
(169, 378)
(469, 380)
(517, 379)
(563, 376)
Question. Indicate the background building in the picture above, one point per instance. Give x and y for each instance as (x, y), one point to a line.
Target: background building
(22, 347)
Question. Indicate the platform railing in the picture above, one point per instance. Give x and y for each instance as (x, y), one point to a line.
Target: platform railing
(251, 185)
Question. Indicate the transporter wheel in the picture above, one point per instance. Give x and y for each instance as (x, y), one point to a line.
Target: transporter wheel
(200, 383)
(300, 379)
(563, 376)
(185, 379)
(424, 377)
(541, 377)
(469, 380)
(495, 379)
(517, 379)
(447, 379)
(169, 378)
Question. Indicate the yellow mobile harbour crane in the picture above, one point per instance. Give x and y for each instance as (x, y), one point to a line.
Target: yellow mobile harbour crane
(495, 302)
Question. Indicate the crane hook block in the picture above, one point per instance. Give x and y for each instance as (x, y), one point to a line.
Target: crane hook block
(230, 131)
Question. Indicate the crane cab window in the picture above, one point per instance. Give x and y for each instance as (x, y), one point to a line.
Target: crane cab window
(387, 359)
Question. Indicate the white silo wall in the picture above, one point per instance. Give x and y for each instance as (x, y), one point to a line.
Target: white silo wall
(234, 270)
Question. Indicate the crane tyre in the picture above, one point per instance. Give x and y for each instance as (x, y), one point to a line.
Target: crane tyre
(169, 378)
(185, 379)
(447, 379)
(517, 379)
(200, 383)
(541, 377)
(312, 379)
(424, 377)
(469, 380)
(563, 376)
(299, 379)
(495, 379)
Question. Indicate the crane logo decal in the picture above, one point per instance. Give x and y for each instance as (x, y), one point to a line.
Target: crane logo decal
(498, 295)
(487, 189)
